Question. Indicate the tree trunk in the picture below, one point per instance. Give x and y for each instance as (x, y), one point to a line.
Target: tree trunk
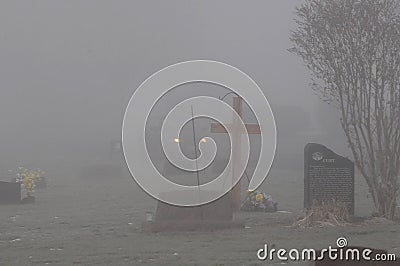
(385, 203)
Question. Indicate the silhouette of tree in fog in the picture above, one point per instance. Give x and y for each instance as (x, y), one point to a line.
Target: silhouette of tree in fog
(352, 48)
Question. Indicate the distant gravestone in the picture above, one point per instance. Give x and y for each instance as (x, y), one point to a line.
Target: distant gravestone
(327, 176)
(10, 192)
(101, 171)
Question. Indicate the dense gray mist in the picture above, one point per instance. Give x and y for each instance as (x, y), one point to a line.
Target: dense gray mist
(68, 69)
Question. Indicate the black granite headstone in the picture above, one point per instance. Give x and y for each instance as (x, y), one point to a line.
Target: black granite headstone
(10, 192)
(327, 176)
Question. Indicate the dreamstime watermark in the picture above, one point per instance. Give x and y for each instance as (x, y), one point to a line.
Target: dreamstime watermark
(339, 253)
(152, 89)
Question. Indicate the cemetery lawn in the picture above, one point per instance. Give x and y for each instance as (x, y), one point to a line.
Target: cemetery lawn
(76, 222)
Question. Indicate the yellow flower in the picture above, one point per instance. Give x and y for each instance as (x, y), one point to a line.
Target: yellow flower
(29, 178)
(259, 197)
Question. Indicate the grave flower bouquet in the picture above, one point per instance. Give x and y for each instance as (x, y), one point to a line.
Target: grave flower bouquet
(28, 179)
(259, 201)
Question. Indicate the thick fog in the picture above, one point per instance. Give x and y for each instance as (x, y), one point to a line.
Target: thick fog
(68, 69)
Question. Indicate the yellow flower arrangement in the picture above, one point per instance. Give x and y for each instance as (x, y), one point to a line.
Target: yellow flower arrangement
(259, 197)
(28, 178)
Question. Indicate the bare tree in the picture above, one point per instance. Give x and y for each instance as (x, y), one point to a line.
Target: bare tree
(352, 48)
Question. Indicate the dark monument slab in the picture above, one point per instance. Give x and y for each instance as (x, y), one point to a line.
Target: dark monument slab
(10, 192)
(215, 215)
(327, 176)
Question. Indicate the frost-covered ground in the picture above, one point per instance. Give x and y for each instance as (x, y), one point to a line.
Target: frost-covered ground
(75, 222)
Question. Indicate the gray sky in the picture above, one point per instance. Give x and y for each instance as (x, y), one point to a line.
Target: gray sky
(68, 68)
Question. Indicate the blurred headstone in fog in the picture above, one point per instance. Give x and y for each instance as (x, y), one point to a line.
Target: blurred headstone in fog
(102, 170)
(106, 167)
(115, 149)
(327, 176)
(293, 128)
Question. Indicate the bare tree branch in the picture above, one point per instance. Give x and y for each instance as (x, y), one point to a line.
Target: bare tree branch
(352, 48)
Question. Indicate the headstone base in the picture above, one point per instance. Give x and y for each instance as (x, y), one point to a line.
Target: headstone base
(215, 215)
